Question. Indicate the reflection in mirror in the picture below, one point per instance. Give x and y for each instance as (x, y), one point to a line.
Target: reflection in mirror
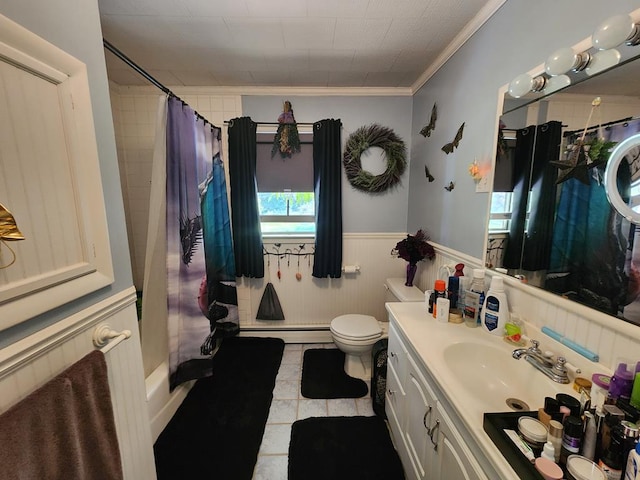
(625, 200)
(551, 222)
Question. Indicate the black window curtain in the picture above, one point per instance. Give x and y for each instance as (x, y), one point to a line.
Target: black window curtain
(327, 176)
(245, 217)
(537, 242)
(523, 154)
(535, 148)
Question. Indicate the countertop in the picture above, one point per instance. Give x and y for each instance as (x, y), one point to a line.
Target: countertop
(480, 393)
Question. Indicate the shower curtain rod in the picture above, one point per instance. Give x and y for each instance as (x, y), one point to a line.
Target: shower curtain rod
(149, 77)
(602, 125)
(226, 122)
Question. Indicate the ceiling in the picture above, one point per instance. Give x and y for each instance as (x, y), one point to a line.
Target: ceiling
(287, 43)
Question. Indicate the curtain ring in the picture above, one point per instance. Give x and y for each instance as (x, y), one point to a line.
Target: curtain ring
(231, 122)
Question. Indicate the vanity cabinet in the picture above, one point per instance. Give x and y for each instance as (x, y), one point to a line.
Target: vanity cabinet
(428, 442)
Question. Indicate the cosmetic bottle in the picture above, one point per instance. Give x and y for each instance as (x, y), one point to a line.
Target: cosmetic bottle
(453, 289)
(495, 311)
(590, 436)
(621, 381)
(571, 438)
(613, 458)
(474, 298)
(632, 471)
(555, 437)
(439, 291)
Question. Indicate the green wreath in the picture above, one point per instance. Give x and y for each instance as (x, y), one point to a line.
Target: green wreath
(394, 150)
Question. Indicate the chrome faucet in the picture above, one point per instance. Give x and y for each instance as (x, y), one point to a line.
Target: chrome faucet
(556, 371)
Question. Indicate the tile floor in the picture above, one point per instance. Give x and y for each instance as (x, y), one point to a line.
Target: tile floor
(288, 405)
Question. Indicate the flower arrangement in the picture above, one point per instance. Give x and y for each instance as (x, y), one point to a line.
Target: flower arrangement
(414, 248)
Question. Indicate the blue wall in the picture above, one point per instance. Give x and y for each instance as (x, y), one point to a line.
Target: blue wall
(362, 212)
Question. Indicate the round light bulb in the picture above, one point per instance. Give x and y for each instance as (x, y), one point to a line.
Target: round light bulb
(603, 60)
(556, 83)
(612, 32)
(560, 61)
(521, 85)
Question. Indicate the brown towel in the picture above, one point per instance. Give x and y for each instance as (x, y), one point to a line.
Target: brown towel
(63, 430)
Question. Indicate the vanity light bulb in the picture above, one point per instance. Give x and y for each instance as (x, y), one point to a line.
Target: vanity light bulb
(612, 32)
(603, 60)
(521, 85)
(556, 83)
(560, 61)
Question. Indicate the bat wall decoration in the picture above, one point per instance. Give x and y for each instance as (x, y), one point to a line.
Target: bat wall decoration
(426, 131)
(450, 187)
(427, 173)
(449, 147)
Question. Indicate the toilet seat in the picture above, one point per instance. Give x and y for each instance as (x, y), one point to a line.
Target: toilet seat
(356, 327)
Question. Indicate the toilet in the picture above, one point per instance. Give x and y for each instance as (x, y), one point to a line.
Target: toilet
(354, 334)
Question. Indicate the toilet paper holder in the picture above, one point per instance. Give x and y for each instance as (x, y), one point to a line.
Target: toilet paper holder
(351, 268)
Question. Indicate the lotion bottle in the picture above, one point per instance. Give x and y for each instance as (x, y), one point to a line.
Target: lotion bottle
(495, 311)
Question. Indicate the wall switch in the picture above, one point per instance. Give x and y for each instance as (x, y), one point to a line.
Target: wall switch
(483, 185)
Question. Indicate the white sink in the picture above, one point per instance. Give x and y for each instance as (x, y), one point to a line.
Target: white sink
(491, 376)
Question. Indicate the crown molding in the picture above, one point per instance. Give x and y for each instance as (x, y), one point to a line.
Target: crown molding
(276, 91)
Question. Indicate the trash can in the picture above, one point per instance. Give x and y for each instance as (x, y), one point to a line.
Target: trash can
(379, 376)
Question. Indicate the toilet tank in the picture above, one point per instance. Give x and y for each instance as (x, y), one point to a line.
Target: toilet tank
(397, 291)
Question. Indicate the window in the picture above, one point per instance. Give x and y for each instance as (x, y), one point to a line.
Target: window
(500, 215)
(501, 209)
(286, 200)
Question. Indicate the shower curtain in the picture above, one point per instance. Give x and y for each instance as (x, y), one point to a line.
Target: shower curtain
(195, 291)
(592, 244)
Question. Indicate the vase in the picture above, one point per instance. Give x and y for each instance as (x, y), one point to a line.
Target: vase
(411, 273)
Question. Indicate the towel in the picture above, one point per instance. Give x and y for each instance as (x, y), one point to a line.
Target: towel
(63, 430)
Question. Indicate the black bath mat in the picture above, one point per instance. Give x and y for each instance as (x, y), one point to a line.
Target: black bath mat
(217, 431)
(342, 448)
(323, 376)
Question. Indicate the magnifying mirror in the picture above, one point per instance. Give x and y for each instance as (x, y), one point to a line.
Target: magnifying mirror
(629, 146)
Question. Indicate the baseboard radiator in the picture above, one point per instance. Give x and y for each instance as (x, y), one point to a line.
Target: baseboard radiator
(32, 362)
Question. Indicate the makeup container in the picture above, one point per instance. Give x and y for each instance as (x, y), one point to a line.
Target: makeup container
(581, 468)
(534, 432)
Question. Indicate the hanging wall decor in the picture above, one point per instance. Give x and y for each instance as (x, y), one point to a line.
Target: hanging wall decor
(426, 131)
(449, 147)
(450, 187)
(427, 173)
(286, 140)
(395, 154)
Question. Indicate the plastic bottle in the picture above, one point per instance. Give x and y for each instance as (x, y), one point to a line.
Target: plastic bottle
(571, 438)
(548, 451)
(495, 310)
(613, 458)
(621, 381)
(590, 436)
(633, 464)
(439, 291)
(477, 291)
(452, 291)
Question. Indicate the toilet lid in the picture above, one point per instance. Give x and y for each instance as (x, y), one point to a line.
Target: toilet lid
(356, 326)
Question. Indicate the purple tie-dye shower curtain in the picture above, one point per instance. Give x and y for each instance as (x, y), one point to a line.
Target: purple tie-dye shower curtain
(201, 293)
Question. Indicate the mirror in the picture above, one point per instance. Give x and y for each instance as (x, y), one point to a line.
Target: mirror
(553, 223)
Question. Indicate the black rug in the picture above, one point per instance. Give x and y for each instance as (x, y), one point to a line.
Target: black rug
(339, 448)
(323, 376)
(217, 431)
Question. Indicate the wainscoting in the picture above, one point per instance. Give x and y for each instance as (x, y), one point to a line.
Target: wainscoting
(31, 362)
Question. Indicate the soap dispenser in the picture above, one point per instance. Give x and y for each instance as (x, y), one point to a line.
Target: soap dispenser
(495, 311)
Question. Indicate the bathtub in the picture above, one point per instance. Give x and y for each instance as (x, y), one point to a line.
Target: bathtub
(161, 404)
